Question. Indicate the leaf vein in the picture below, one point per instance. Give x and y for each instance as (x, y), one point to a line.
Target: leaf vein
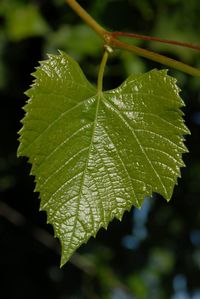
(56, 120)
(124, 166)
(64, 165)
(64, 142)
(60, 188)
(112, 107)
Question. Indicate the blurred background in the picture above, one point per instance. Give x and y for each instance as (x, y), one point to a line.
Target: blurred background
(154, 252)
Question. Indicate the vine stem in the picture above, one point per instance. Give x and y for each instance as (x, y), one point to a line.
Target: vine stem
(86, 17)
(172, 63)
(156, 39)
(112, 41)
(101, 72)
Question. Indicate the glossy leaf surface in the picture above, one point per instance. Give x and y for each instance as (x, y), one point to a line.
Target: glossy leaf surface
(96, 155)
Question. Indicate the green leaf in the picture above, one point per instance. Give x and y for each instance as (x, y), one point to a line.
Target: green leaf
(96, 155)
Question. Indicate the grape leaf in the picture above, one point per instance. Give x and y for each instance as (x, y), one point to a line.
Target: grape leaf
(94, 155)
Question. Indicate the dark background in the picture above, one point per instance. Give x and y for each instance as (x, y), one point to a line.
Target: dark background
(154, 252)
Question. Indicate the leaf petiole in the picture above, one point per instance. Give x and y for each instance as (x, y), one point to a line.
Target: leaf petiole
(101, 71)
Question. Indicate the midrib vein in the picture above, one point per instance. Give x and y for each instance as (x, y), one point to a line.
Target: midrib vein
(86, 166)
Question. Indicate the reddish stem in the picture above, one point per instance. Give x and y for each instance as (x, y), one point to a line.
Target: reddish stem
(155, 39)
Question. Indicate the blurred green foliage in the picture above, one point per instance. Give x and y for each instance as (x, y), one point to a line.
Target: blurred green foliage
(152, 253)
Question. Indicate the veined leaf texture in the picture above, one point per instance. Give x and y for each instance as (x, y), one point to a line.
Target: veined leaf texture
(94, 155)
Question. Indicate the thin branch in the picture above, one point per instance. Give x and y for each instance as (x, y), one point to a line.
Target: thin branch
(111, 40)
(156, 39)
(86, 17)
(172, 63)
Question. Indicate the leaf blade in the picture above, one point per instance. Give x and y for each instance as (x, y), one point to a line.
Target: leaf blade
(96, 155)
